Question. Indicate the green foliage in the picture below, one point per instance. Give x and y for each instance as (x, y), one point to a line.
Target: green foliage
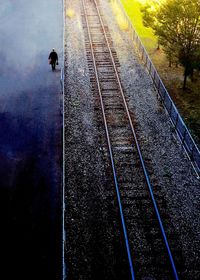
(149, 13)
(177, 25)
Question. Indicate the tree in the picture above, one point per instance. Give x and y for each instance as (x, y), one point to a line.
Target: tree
(149, 15)
(177, 25)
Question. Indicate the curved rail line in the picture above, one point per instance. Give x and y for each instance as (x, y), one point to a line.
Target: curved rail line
(135, 139)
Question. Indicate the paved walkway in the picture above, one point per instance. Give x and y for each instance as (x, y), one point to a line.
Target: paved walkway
(30, 139)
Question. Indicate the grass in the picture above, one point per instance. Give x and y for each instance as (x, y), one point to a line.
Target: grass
(147, 36)
(188, 101)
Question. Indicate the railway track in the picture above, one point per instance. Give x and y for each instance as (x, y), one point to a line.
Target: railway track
(148, 252)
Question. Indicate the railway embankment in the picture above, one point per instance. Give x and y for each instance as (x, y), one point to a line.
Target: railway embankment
(94, 237)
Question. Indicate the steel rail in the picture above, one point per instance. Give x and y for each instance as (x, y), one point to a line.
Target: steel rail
(64, 268)
(110, 149)
(139, 152)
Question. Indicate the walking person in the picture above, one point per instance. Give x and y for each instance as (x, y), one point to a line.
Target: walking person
(53, 59)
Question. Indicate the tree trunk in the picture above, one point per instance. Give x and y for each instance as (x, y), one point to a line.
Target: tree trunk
(192, 75)
(185, 80)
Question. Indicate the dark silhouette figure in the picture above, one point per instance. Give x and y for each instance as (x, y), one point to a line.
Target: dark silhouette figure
(53, 59)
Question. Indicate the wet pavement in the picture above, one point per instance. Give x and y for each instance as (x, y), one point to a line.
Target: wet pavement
(30, 140)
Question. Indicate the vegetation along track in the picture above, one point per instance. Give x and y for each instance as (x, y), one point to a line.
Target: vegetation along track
(148, 252)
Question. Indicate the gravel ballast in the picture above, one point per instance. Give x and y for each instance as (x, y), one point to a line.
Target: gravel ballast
(89, 197)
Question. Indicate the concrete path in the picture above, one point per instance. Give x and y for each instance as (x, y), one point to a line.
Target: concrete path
(30, 140)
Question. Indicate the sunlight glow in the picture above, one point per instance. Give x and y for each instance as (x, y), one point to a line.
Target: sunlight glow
(70, 13)
(143, 2)
(119, 16)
